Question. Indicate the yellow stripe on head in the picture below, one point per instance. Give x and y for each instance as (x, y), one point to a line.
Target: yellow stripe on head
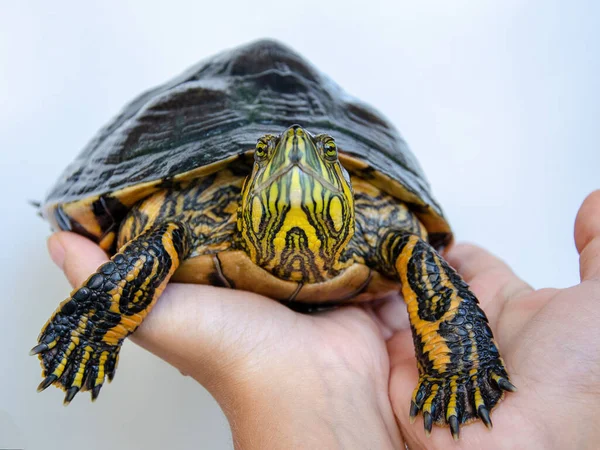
(297, 210)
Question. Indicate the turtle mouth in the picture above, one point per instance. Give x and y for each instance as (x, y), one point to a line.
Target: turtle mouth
(279, 174)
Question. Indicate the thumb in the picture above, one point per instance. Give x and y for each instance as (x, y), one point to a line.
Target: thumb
(75, 255)
(212, 333)
(587, 237)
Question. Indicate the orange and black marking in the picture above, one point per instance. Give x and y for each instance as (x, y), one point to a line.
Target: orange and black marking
(461, 374)
(82, 339)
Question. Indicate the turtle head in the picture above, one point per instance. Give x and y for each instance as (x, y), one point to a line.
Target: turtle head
(297, 210)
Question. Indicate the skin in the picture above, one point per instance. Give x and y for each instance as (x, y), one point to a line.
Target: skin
(335, 370)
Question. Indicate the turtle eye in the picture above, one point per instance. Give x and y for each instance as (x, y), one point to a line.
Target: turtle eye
(330, 149)
(261, 149)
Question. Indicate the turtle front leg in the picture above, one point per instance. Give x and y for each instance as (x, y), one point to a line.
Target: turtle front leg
(80, 343)
(461, 374)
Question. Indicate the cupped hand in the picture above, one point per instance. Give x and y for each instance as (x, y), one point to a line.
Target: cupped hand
(550, 341)
(320, 380)
(332, 370)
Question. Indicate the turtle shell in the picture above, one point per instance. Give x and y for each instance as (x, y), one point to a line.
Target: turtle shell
(213, 114)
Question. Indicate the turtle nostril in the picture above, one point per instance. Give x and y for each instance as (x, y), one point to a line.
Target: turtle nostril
(292, 130)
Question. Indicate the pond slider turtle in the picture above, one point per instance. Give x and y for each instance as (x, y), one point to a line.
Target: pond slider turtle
(209, 179)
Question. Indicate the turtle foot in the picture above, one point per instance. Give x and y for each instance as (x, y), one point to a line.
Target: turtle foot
(72, 355)
(459, 399)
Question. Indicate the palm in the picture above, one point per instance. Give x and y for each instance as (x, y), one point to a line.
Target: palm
(545, 341)
(259, 331)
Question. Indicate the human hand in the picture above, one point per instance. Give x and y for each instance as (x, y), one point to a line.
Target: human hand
(284, 379)
(550, 341)
(297, 380)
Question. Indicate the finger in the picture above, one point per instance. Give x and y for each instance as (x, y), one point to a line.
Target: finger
(476, 264)
(391, 315)
(587, 237)
(470, 261)
(77, 256)
(212, 333)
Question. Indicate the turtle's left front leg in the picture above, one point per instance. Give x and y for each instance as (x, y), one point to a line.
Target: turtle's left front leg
(461, 374)
(79, 346)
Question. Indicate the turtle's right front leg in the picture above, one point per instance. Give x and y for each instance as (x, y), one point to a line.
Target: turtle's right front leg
(461, 374)
(80, 343)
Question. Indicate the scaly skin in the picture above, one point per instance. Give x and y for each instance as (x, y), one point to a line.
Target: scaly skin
(81, 341)
(462, 376)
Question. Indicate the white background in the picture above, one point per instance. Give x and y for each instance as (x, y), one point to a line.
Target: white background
(500, 102)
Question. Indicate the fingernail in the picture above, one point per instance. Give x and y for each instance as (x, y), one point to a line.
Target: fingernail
(57, 250)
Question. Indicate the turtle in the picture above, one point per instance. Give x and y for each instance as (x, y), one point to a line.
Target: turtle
(252, 170)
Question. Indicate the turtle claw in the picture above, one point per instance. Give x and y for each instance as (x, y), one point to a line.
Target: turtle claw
(458, 399)
(484, 415)
(72, 357)
(505, 385)
(46, 382)
(38, 349)
(427, 423)
(95, 392)
(71, 392)
(454, 427)
(414, 410)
